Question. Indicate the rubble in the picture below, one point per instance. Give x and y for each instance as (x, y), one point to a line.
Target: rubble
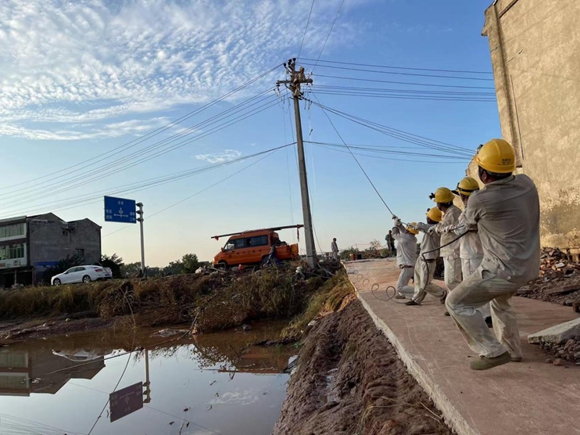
(558, 280)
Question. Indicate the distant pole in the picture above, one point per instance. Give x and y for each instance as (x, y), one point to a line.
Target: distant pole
(296, 79)
(147, 384)
(140, 219)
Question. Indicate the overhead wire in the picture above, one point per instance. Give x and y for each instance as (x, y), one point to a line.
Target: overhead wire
(357, 161)
(329, 32)
(155, 132)
(101, 173)
(306, 28)
(438, 85)
(204, 190)
(84, 199)
(395, 67)
(399, 134)
(408, 97)
(313, 65)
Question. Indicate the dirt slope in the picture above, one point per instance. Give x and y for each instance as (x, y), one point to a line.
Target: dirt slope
(350, 381)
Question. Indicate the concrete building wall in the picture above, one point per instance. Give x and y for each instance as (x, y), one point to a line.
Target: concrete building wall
(535, 52)
(52, 239)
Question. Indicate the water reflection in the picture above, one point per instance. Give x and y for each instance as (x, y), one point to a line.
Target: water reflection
(215, 383)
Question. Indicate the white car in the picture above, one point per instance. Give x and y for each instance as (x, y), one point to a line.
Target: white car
(82, 274)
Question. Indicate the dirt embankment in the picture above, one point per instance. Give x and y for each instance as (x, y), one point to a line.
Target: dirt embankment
(350, 381)
(207, 303)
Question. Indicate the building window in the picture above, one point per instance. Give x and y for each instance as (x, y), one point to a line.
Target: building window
(10, 252)
(13, 230)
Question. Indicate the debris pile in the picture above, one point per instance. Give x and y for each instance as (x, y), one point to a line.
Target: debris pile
(568, 350)
(558, 280)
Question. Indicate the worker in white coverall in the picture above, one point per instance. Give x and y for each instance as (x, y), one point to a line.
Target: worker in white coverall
(449, 249)
(406, 241)
(425, 264)
(470, 250)
(334, 249)
(506, 214)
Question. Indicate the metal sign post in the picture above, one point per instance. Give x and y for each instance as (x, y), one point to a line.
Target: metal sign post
(125, 211)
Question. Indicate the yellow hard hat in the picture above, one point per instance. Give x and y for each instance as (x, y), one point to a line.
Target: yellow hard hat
(497, 156)
(466, 186)
(434, 214)
(443, 194)
(411, 229)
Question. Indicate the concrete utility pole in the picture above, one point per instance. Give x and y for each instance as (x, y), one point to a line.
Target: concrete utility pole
(296, 79)
(140, 219)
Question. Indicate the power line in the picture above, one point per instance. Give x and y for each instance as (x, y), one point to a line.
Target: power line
(329, 32)
(203, 190)
(399, 134)
(386, 151)
(405, 91)
(404, 83)
(98, 173)
(407, 97)
(141, 185)
(306, 28)
(398, 73)
(396, 67)
(358, 163)
(157, 131)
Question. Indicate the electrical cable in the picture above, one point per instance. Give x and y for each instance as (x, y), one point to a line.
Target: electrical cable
(328, 35)
(201, 191)
(358, 163)
(98, 172)
(408, 98)
(306, 28)
(399, 134)
(397, 67)
(157, 131)
(387, 151)
(139, 186)
(398, 73)
(405, 83)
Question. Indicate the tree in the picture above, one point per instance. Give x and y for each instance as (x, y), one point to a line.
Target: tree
(115, 263)
(130, 270)
(376, 245)
(62, 266)
(190, 263)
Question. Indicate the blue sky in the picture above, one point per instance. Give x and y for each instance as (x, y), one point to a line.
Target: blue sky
(81, 80)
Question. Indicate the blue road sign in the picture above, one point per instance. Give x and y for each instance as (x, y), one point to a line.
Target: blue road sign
(120, 210)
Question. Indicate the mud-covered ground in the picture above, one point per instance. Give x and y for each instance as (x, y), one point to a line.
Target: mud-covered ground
(350, 381)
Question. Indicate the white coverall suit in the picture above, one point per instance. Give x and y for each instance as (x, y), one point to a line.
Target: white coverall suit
(406, 244)
(507, 216)
(334, 249)
(425, 265)
(470, 252)
(450, 254)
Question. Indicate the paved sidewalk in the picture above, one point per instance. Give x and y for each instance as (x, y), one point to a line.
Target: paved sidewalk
(531, 397)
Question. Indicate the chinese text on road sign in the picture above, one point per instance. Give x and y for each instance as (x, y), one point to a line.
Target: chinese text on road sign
(120, 210)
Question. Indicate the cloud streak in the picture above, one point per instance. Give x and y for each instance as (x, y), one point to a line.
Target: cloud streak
(74, 64)
(222, 157)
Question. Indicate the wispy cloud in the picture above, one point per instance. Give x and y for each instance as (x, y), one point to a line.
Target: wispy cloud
(72, 64)
(224, 156)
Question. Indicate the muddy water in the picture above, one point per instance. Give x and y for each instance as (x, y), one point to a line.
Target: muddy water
(213, 384)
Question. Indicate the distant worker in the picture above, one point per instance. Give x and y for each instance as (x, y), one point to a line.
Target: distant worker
(470, 250)
(334, 249)
(272, 255)
(406, 257)
(507, 217)
(425, 264)
(449, 249)
(391, 242)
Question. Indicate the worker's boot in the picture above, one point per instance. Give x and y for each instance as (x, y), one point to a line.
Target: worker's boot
(399, 296)
(485, 363)
(411, 303)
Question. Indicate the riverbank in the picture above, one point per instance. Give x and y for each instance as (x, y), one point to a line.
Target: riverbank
(349, 380)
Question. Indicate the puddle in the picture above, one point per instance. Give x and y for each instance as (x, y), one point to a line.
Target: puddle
(213, 384)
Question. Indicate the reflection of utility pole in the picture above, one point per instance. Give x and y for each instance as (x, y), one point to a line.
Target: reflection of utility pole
(147, 383)
(296, 79)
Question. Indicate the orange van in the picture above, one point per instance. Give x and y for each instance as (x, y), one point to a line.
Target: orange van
(252, 247)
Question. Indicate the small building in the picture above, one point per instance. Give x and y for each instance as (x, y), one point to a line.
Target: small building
(31, 244)
(535, 57)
